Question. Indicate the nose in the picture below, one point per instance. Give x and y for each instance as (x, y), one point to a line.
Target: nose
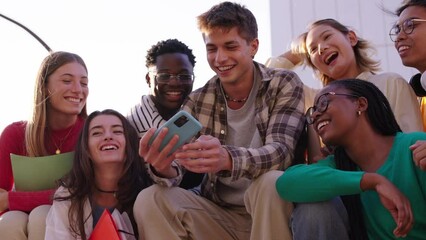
(77, 87)
(174, 80)
(321, 48)
(400, 36)
(107, 135)
(221, 56)
(315, 114)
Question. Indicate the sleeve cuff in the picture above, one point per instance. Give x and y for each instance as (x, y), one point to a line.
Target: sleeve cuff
(279, 62)
(167, 182)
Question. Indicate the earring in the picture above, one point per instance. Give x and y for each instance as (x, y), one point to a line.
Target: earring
(359, 113)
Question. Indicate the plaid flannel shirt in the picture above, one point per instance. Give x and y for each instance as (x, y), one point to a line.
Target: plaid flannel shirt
(279, 117)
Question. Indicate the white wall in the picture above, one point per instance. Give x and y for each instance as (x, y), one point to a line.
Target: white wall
(289, 18)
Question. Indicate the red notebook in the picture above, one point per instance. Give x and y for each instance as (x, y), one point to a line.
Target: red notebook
(105, 229)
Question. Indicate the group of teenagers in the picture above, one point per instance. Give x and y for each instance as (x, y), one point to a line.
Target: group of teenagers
(275, 159)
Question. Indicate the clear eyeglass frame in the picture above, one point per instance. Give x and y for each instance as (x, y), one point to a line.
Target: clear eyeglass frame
(164, 78)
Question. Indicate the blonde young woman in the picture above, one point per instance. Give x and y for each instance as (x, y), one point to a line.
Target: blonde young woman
(59, 111)
(335, 52)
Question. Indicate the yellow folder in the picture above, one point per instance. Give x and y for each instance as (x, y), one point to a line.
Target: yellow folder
(39, 173)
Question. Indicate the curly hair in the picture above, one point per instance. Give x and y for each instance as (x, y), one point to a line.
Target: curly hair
(168, 46)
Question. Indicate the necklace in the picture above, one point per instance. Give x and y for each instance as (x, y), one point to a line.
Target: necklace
(61, 141)
(104, 191)
(234, 99)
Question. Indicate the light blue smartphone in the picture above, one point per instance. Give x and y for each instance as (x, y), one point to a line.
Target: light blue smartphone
(182, 124)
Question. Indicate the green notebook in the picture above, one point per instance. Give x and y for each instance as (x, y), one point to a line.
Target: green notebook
(40, 173)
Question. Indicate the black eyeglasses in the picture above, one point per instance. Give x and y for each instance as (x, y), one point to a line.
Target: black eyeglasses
(321, 104)
(407, 27)
(164, 78)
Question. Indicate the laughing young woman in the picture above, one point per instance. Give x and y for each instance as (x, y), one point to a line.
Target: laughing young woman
(107, 173)
(372, 169)
(335, 52)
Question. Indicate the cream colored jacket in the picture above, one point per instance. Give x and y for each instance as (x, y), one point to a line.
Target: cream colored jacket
(399, 93)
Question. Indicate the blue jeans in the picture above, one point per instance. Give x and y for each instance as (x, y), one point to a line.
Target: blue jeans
(320, 220)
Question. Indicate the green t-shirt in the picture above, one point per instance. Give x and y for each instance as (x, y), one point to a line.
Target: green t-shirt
(321, 181)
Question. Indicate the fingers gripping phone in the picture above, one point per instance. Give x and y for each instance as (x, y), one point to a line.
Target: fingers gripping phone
(182, 124)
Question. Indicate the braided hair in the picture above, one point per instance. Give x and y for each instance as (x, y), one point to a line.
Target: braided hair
(382, 120)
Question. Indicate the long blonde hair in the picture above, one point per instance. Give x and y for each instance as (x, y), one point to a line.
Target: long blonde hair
(35, 131)
(362, 50)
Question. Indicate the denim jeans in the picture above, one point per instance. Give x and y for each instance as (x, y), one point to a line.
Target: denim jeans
(320, 220)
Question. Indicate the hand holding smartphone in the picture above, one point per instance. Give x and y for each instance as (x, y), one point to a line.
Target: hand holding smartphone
(182, 124)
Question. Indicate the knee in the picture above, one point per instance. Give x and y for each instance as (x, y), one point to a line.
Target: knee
(264, 188)
(266, 182)
(147, 197)
(151, 199)
(39, 214)
(13, 224)
(262, 193)
(314, 212)
(322, 219)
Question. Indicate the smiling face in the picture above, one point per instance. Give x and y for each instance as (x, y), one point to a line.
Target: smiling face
(170, 95)
(229, 55)
(331, 51)
(412, 47)
(340, 117)
(106, 141)
(68, 89)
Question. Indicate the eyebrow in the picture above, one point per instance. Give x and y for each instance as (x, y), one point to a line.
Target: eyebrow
(410, 18)
(320, 36)
(71, 75)
(101, 126)
(226, 43)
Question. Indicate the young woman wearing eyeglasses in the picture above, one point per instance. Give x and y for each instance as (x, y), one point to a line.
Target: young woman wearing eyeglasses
(335, 52)
(372, 169)
(409, 35)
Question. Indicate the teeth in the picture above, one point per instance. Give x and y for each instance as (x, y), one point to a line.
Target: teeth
(71, 99)
(173, 93)
(402, 48)
(322, 124)
(224, 68)
(109, 147)
(328, 59)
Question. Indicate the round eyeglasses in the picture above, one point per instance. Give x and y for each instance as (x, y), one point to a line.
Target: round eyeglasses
(321, 104)
(407, 27)
(164, 78)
